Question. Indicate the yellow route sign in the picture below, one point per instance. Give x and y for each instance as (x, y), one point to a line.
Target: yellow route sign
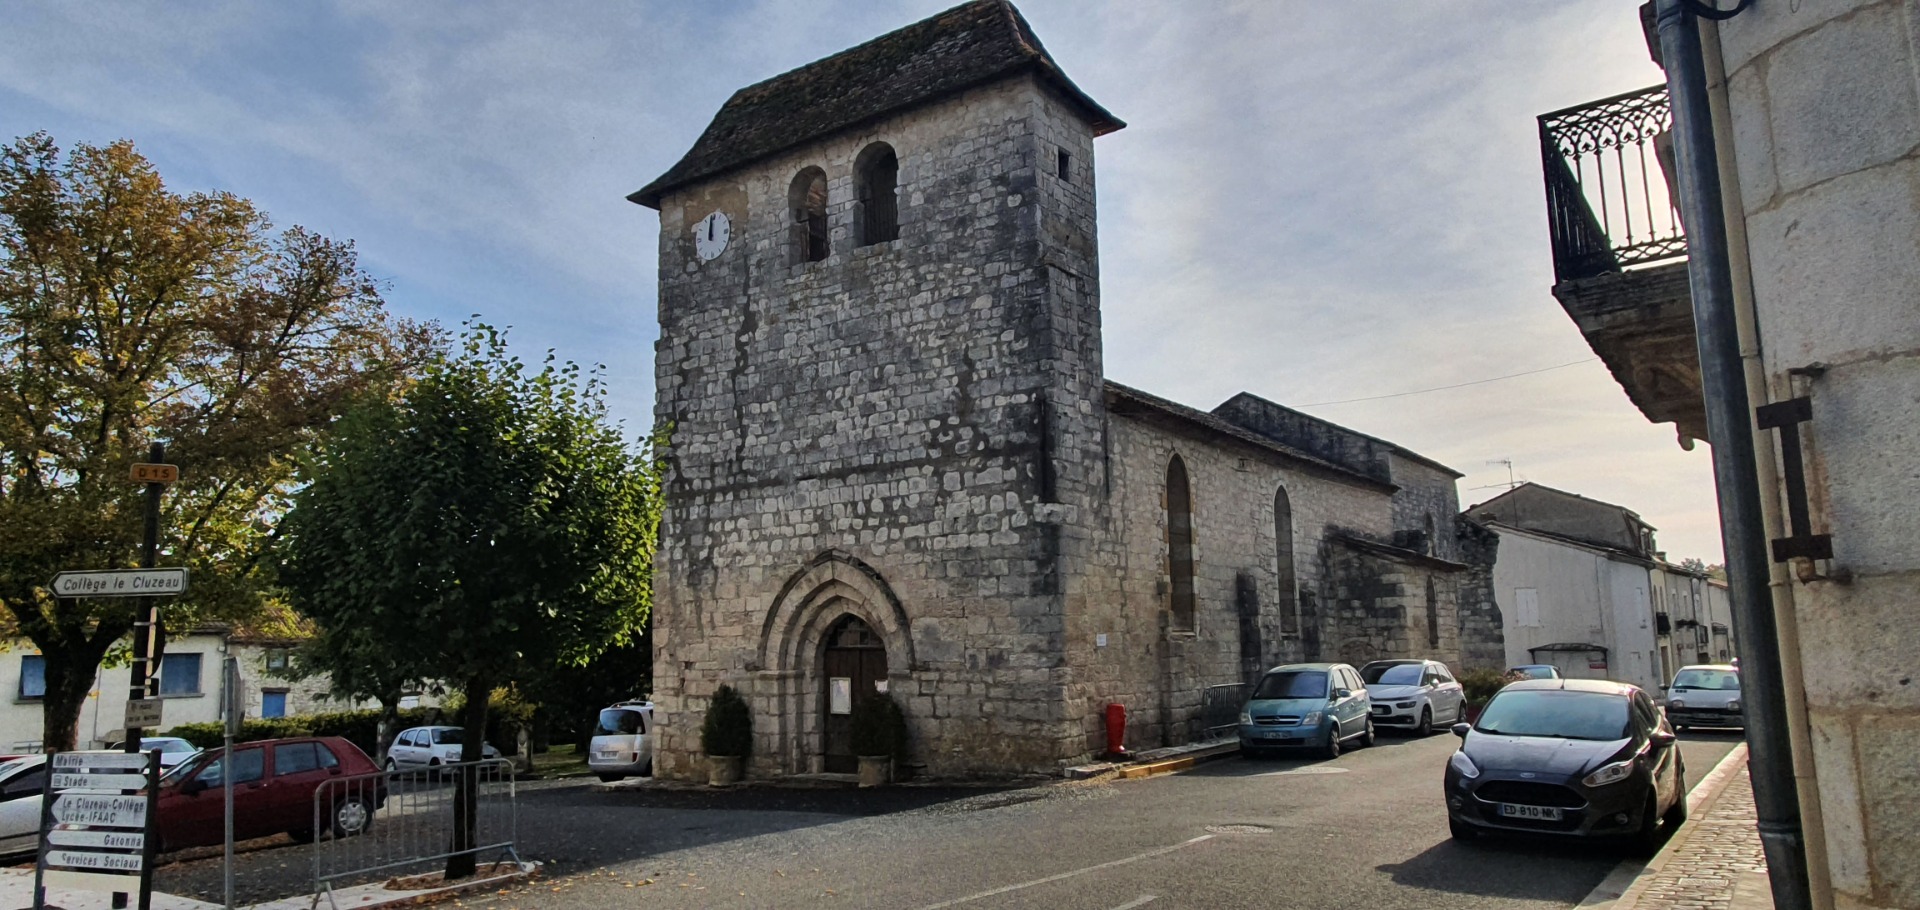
(156, 473)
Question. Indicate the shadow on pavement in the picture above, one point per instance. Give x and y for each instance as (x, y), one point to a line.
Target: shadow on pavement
(573, 825)
(1532, 869)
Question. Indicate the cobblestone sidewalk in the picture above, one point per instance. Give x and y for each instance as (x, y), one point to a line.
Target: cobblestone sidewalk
(1714, 863)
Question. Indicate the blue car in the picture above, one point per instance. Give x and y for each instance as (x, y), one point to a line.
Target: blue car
(1310, 706)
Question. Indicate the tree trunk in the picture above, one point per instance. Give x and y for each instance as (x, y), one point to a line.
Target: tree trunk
(386, 729)
(68, 682)
(466, 796)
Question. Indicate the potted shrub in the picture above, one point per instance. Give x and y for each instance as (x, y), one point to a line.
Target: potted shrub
(1478, 686)
(879, 738)
(726, 736)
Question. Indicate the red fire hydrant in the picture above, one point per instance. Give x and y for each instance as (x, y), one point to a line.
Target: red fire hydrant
(1116, 731)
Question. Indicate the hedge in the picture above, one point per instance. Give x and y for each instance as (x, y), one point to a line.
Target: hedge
(359, 727)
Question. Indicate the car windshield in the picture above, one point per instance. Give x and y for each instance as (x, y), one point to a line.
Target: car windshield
(448, 735)
(1293, 684)
(1722, 680)
(1565, 715)
(1531, 672)
(1391, 674)
(617, 722)
(165, 744)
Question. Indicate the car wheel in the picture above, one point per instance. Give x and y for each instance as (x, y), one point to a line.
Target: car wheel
(1367, 738)
(1646, 842)
(1426, 721)
(609, 778)
(1333, 742)
(1677, 813)
(1461, 832)
(352, 817)
(391, 765)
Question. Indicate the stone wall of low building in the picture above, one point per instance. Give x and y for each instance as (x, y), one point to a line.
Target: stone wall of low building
(1161, 673)
(1482, 643)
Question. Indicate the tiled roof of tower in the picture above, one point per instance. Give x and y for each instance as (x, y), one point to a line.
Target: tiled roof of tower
(964, 47)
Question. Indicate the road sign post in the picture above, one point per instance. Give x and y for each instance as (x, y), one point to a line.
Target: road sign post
(97, 827)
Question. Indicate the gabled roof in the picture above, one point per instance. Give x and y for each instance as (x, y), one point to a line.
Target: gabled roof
(1123, 401)
(967, 46)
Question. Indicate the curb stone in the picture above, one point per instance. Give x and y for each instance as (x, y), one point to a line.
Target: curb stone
(1624, 887)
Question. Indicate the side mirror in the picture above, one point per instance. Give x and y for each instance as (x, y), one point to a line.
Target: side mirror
(1662, 738)
(192, 786)
(1342, 693)
(1462, 729)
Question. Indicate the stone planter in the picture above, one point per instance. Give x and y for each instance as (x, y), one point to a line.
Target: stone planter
(723, 770)
(875, 770)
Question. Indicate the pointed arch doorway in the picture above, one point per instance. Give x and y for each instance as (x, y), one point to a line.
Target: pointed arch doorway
(854, 662)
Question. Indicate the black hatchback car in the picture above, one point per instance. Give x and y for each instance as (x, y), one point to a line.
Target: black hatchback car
(1575, 757)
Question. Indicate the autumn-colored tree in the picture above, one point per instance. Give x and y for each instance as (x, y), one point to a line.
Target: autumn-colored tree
(131, 314)
(485, 528)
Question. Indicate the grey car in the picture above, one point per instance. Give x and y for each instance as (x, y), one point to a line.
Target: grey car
(1705, 695)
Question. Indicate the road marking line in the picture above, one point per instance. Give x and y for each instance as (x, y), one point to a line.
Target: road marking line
(1140, 901)
(1161, 851)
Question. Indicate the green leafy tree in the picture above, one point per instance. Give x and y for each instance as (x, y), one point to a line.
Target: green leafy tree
(131, 314)
(483, 528)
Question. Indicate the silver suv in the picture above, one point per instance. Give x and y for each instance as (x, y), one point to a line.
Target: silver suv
(1705, 695)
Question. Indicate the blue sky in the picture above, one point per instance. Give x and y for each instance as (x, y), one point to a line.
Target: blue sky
(1313, 201)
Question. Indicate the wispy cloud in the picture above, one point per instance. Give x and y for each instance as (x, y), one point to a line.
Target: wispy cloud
(1314, 201)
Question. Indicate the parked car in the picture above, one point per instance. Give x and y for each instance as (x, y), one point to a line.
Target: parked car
(1706, 695)
(274, 787)
(1533, 671)
(430, 747)
(622, 744)
(22, 780)
(1573, 757)
(1415, 694)
(1316, 706)
(173, 749)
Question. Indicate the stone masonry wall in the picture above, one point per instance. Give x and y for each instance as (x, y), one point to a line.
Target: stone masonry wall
(1160, 673)
(1824, 103)
(904, 432)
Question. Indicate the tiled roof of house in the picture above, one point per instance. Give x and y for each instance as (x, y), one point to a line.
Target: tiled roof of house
(964, 47)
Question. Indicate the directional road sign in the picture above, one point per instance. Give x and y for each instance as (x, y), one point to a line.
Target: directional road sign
(118, 761)
(98, 781)
(101, 811)
(113, 840)
(96, 862)
(121, 583)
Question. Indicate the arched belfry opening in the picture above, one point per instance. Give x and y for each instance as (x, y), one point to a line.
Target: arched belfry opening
(877, 184)
(853, 663)
(807, 199)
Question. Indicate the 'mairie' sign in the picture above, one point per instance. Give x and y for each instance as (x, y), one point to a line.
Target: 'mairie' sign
(120, 583)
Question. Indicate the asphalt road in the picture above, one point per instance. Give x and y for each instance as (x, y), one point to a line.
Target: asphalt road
(1366, 830)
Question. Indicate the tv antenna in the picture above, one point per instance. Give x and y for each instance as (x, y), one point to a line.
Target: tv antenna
(1510, 484)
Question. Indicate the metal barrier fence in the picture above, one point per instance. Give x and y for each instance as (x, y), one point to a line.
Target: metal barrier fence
(1220, 707)
(402, 822)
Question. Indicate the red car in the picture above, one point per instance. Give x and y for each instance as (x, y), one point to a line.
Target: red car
(273, 791)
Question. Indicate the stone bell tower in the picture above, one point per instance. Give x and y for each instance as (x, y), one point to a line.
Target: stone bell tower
(880, 355)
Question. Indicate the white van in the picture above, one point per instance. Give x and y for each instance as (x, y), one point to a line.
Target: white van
(622, 741)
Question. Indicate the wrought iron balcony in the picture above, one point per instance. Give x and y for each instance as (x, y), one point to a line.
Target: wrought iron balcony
(1607, 164)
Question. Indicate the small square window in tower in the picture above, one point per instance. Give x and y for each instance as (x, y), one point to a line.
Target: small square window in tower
(1063, 166)
(877, 173)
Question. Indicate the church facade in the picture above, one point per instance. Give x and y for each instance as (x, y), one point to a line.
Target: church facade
(896, 466)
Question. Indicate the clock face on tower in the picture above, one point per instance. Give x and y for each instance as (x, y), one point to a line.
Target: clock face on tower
(710, 235)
